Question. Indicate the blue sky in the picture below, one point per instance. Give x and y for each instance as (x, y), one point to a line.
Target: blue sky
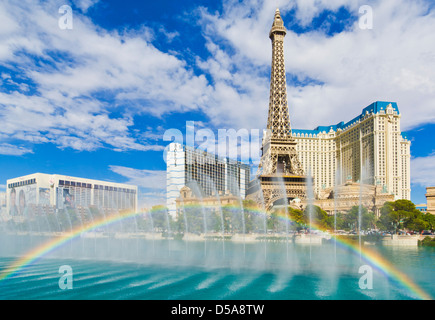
(95, 101)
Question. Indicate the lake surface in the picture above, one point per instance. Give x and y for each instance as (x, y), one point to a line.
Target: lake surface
(104, 268)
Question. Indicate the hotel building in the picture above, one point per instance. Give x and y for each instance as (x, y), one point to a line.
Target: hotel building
(370, 148)
(59, 192)
(204, 173)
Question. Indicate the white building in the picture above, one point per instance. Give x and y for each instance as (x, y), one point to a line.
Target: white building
(370, 147)
(61, 191)
(204, 173)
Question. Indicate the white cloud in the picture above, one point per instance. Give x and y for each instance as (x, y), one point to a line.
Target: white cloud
(151, 184)
(79, 65)
(84, 5)
(307, 10)
(12, 150)
(170, 36)
(147, 179)
(395, 61)
(423, 171)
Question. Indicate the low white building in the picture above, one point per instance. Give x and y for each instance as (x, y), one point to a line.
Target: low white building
(60, 191)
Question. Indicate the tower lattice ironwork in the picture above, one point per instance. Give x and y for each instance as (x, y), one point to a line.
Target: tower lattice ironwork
(280, 173)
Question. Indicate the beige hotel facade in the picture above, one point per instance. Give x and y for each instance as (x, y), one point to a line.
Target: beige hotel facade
(370, 148)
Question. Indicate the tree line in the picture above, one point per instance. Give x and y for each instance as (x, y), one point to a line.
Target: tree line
(248, 218)
(394, 216)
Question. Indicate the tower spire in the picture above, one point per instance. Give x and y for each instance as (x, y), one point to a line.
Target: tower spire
(278, 120)
(279, 147)
(280, 174)
(278, 25)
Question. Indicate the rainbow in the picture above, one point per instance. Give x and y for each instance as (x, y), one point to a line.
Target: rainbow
(370, 256)
(374, 259)
(385, 267)
(55, 243)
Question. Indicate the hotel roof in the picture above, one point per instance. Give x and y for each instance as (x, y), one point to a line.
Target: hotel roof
(375, 108)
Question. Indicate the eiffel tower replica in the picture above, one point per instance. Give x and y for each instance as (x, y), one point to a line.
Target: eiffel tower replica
(280, 177)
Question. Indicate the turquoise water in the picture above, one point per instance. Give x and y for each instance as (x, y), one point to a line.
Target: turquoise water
(144, 269)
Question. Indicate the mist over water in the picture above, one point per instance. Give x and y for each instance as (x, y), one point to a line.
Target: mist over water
(216, 252)
(118, 274)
